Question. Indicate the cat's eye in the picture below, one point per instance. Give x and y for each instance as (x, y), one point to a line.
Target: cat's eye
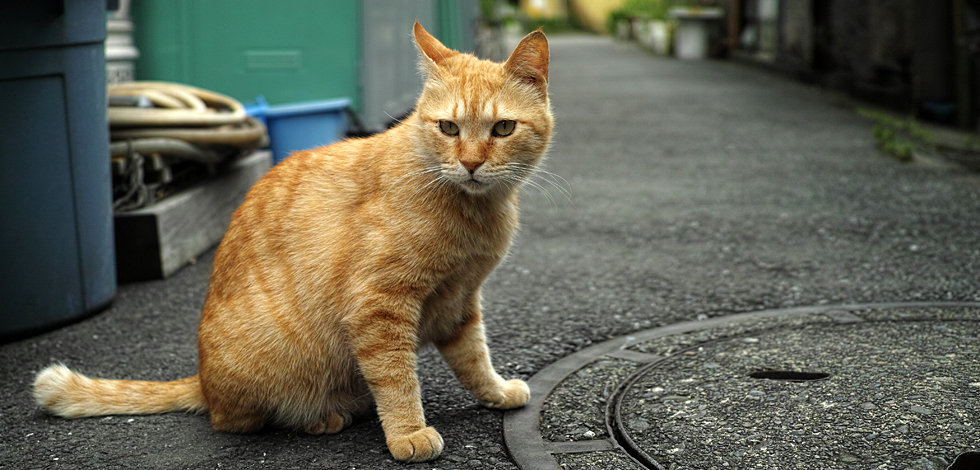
(504, 128)
(449, 128)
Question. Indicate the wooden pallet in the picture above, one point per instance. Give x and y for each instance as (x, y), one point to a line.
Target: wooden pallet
(156, 241)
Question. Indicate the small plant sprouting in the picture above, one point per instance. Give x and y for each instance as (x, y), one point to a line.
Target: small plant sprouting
(897, 137)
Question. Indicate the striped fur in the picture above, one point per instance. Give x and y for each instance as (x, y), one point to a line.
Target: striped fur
(344, 260)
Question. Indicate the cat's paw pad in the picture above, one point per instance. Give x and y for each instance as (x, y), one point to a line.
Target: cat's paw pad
(419, 446)
(513, 394)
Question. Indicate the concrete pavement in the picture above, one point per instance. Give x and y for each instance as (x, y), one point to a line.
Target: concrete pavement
(698, 190)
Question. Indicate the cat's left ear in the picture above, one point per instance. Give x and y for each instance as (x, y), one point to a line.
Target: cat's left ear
(430, 47)
(529, 62)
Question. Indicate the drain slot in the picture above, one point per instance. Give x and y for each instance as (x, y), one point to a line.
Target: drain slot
(789, 375)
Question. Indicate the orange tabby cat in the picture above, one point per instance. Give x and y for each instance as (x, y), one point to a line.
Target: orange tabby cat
(344, 260)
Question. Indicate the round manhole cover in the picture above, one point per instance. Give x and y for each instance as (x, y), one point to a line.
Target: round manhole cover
(894, 386)
(847, 395)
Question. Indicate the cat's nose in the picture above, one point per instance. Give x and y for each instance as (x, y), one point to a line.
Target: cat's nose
(471, 165)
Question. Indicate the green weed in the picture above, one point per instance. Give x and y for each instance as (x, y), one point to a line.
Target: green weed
(897, 137)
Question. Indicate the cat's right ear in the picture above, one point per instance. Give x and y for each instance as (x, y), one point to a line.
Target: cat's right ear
(432, 52)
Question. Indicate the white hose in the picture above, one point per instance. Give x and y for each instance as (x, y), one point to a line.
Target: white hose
(183, 105)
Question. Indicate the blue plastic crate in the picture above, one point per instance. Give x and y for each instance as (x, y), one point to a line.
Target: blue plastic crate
(258, 109)
(303, 126)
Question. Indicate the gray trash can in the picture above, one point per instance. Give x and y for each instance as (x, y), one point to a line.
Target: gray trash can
(56, 242)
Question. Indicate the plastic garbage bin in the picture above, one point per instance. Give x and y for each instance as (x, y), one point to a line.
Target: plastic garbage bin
(56, 241)
(693, 30)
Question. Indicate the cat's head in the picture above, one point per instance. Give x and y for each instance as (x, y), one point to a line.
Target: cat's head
(487, 125)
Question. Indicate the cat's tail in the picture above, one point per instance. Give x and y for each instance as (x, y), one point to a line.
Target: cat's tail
(72, 395)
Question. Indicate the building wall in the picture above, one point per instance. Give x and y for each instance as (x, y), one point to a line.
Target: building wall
(797, 29)
(592, 14)
(543, 9)
(933, 53)
(871, 38)
(898, 53)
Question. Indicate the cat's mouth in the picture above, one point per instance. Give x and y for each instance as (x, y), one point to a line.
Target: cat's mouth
(475, 184)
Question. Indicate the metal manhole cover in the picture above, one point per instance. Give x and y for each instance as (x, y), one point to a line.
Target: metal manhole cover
(867, 386)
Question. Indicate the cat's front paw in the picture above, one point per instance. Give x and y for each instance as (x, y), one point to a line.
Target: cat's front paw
(419, 446)
(513, 394)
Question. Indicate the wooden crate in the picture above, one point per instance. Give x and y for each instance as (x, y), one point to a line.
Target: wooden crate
(156, 241)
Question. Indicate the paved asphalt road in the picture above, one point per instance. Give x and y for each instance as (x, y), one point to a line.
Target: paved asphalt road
(696, 188)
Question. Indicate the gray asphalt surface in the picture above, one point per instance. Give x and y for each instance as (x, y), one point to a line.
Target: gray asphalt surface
(697, 189)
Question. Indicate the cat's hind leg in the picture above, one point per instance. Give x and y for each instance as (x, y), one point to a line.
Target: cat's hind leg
(337, 420)
(342, 410)
(332, 424)
(238, 421)
(231, 406)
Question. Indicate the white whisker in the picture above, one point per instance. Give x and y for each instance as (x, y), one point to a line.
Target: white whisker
(562, 186)
(551, 199)
(393, 118)
(438, 179)
(565, 192)
(527, 174)
(408, 175)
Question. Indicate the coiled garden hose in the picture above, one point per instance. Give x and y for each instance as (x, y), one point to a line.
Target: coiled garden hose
(169, 123)
(175, 105)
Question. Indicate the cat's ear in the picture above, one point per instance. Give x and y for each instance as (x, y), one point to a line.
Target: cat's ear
(529, 62)
(432, 52)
